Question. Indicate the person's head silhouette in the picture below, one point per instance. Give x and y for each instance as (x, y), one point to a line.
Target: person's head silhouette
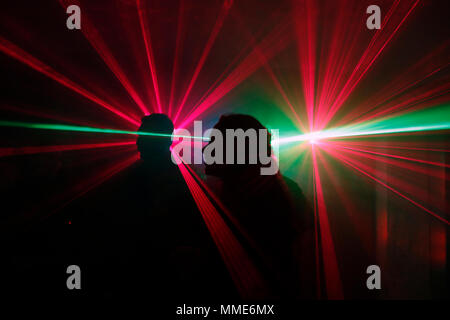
(155, 147)
(232, 170)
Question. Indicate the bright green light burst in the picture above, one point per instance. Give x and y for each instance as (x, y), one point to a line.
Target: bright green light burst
(423, 120)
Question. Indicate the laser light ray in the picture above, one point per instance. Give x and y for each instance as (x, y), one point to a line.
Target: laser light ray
(95, 39)
(243, 272)
(424, 120)
(366, 63)
(24, 57)
(350, 163)
(314, 137)
(5, 152)
(149, 50)
(64, 127)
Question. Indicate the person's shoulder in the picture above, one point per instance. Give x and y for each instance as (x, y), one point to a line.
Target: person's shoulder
(299, 200)
(291, 185)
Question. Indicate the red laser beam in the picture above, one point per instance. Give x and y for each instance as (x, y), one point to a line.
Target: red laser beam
(17, 53)
(408, 146)
(272, 44)
(413, 167)
(149, 50)
(178, 49)
(362, 227)
(20, 151)
(426, 68)
(245, 276)
(413, 101)
(93, 182)
(272, 75)
(365, 63)
(351, 164)
(306, 29)
(439, 164)
(212, 37)
(332, 277)
(93, 36)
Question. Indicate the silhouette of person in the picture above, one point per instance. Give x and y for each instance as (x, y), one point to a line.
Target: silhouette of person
(160, 187)
(148, 228)
(273, 212)
(177, 227)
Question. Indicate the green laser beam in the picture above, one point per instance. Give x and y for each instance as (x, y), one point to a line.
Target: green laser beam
(424, 120)
(328, 134)
(64, 127)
